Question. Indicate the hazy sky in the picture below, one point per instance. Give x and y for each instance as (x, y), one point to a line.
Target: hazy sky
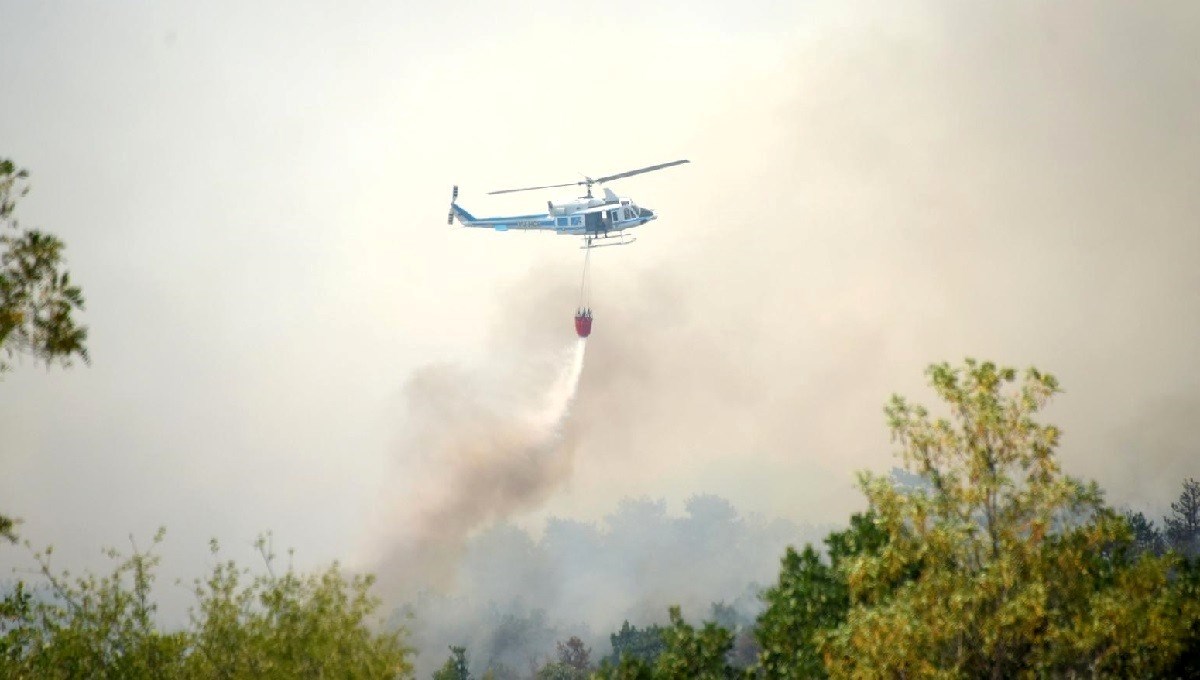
(253, 195)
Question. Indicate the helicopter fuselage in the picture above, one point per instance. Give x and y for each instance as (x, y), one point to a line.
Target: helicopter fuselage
(577, 217)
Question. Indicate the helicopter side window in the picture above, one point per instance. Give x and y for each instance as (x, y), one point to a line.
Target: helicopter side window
(562, 221)
(575, 221)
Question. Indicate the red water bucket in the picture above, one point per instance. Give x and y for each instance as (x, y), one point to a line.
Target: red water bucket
(583, 323)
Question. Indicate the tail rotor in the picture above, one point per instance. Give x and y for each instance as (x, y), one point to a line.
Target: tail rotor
(453, 198)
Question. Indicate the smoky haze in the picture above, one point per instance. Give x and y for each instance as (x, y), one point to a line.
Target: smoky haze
(516, 594)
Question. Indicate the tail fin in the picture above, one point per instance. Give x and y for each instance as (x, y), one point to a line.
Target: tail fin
(457, 210)
(462, 215)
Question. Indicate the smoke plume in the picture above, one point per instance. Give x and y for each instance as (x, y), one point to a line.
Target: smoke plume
(486, 443)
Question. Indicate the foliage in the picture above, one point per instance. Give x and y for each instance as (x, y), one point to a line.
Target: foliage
(810, 597)
(37, 298)
(745, 649)
(1145, 536)
(687, 653)
(628, 668)
(574, 662)
(1013, 568)
(290, 625)
(557, 670)
(89, 626)
(512, 642)
(270, 626)
(1183, 524)
(692, 653)
(1187, 665)
(575, 654)
(455, 667)
(8, 528)
(641, 644)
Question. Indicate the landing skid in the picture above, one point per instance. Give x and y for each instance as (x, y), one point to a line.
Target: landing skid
(618, 239)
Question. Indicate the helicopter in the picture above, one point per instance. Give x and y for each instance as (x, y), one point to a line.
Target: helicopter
(601, 221)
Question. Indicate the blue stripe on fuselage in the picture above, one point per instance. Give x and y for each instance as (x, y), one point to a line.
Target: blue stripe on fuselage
(540, 219)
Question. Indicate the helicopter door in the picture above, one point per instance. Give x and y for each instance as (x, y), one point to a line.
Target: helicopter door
(594, 222)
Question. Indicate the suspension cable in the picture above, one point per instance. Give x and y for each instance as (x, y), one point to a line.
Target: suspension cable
(583, 279)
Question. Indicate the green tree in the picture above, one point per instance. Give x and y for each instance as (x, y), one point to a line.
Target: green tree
(688, 653)
(574, 653)
(643, 644)
(1183, 524)
(692, 653)
(89, 626)
(810, 597)
(290, 625)
(271, 626)
(745, 646)
(8, 528)
(37, 299)
(574, 662)
(1183, 536)
(557, 670)
(628, 668)
(1003, 566)
(1146, 537)
(516, 640)
(455, 667)
(1187, 665)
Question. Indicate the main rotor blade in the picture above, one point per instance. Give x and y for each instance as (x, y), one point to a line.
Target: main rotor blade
(548, 186)
(630, 173)
(599, 180)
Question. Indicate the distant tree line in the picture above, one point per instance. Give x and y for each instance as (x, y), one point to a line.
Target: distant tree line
(517, 594)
